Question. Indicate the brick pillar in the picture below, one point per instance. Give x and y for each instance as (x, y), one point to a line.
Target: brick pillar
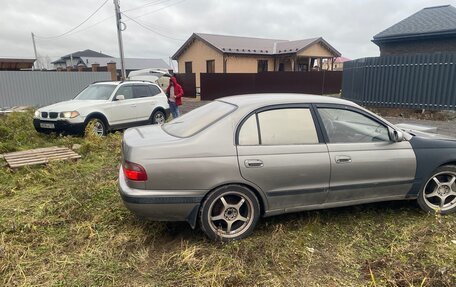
(113, 70)
(95, 67)
(80, 67)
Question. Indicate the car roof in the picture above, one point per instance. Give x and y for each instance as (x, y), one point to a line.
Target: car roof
(282, 98)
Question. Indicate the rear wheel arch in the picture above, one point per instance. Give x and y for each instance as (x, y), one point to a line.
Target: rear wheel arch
(260, 196)
(97, 115)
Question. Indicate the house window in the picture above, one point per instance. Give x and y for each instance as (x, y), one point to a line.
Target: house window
(262, 66)
(188, 67)
(210, 66)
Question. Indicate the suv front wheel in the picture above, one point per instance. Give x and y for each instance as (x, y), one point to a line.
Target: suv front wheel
(158, 117)
(96, 127)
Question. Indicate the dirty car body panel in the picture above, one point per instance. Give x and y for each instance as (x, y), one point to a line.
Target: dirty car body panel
(319, 169)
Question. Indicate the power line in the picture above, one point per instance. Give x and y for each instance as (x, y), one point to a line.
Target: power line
(171, 4)
(110, 17)
(155, 2)
(71, 30)
(150, 29)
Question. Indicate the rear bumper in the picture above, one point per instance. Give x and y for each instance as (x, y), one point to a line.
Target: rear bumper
(161, 205)
(59, 126)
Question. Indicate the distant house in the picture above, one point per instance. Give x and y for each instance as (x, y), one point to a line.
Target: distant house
(430, 30)
(207, 53)
(76, 58)
(89, 57)
(12, 64)
(336, 65)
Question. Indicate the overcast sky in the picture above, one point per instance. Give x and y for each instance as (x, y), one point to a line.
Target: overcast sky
(347, 25)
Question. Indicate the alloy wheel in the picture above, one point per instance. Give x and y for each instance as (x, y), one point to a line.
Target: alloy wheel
(231, 214)
(159, 118)
(440, 191)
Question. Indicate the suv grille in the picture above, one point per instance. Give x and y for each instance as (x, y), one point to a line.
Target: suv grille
(44, 114)
(53, 115)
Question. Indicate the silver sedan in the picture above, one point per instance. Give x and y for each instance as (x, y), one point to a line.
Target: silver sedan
(234, 160)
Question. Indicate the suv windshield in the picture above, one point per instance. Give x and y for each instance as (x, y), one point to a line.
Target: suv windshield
(96, 92)
(198, 119)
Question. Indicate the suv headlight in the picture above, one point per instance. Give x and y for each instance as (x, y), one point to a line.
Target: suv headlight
(69, 115)
(37, 114)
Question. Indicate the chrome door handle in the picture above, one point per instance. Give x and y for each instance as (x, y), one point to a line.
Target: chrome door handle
(343, 159)
(253, 163)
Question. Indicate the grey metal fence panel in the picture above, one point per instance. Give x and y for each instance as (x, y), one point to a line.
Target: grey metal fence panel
(425, 81)
(27, 88)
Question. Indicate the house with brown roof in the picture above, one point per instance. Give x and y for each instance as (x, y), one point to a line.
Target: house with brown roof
(208, 53)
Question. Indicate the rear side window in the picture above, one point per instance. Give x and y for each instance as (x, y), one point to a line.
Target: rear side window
(141, 91)
(279, 127)
(154, 90)
(198, 119)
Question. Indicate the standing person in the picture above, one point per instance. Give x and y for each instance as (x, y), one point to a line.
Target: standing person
(174, 93)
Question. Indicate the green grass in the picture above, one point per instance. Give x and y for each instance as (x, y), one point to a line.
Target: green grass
(63, 224)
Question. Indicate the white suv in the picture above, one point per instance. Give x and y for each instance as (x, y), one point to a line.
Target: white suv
(107, 106)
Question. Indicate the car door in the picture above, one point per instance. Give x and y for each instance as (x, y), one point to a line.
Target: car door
(365, 164)
(122, 111)
(281, 151)
(144, 101)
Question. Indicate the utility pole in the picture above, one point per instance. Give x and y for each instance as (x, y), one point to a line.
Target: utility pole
(36, 64)
(119, 36)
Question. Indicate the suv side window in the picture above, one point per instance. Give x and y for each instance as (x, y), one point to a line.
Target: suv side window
(126, 91)
(288, 126)
(346, 126)
(141, 91)
(154, 90)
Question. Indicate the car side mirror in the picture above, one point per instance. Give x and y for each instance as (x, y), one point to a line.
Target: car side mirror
(396, 135)
(120, 98)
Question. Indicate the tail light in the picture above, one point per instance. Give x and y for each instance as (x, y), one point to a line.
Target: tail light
(134, 171)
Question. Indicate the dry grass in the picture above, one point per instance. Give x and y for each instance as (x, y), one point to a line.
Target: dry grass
(63, 224)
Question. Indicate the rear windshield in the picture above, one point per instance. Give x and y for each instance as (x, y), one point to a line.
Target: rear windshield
(198, 119)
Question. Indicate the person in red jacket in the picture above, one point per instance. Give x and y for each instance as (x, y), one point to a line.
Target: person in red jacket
(174, 93)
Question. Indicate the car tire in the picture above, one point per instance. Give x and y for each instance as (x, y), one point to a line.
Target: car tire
(95, 126)
(229, 212)
(438, 194)
(158, 117)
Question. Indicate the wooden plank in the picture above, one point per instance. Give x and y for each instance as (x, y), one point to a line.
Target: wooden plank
(42, 161)
(34, 151)
(39, 156)
(42, 158)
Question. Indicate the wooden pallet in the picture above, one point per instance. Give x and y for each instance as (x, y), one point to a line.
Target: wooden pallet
(39, 156)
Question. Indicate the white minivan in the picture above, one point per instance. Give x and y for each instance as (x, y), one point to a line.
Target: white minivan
(106, 106)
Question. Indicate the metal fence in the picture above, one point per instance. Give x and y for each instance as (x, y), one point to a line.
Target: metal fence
(36, 88)
(215, 85)
(422, 81)
(188, 83)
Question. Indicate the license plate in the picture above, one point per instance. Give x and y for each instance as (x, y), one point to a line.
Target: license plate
(47, 126)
